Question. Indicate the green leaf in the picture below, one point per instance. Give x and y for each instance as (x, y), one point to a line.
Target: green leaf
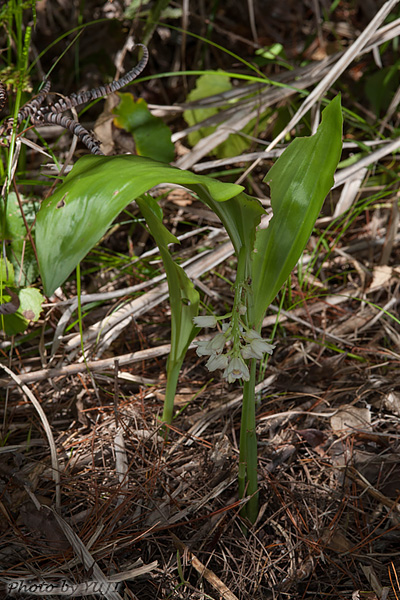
(152, 137)
(184, 299)
(13, 324)
(19, 251)
(270, 53)
(74, 219)
(299, 181)
(208, 85)
(240, 216)
(31, 303)
(381, 86)
(29, 310)
(7, 276)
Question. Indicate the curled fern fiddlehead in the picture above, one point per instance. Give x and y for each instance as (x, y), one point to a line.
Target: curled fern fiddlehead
(52, 113)
(73, 126)
(32, 107)
(103, 90)
(3, 96)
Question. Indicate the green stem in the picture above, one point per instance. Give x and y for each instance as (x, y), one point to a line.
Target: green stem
(248, 448)
(252, 458)
(248, 439)
(173, 370)
(23, 51)
(243, 453)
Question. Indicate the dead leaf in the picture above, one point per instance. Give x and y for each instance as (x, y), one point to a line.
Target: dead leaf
(350, 419)
(374, 582)
(335, 541)
(392, 402)
(313, 437)
(381, 275)
(11, 307)
(180, 197)
(103, 127)
(43, 524)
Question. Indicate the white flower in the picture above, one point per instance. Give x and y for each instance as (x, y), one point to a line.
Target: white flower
(251, 335)
(207, 321)
(219, 361)
(203, 348)
(217, 343)
(211, 347)
(247, 353)
(256, 347)
(237, 369)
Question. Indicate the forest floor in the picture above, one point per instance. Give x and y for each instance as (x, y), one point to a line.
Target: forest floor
(163, 522)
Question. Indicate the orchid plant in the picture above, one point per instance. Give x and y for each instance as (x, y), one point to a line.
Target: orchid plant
(299, 182)
(98, 188)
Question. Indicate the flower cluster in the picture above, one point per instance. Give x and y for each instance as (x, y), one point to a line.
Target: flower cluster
(243, 343)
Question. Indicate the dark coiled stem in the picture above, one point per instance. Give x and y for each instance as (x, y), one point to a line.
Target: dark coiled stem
(3, 96)
(103, 90)
(32, 107)
(74, 127)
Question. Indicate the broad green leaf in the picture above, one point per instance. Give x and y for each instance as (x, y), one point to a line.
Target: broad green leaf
(29, 310)
(31, 303)
(19, 250)
(208, 85)
(13, 324)
(152, 137)
(184, 299)
(299, 181)
(78, 214)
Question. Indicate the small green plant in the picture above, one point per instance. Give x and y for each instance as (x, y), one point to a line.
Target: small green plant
(101, 187)
(19, 303)
(216, 83)
(18, 306)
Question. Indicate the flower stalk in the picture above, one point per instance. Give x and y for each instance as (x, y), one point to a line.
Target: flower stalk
(248, 485)
(235, 349)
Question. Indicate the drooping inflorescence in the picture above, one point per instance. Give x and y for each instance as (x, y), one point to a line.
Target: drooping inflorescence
(231, 347)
